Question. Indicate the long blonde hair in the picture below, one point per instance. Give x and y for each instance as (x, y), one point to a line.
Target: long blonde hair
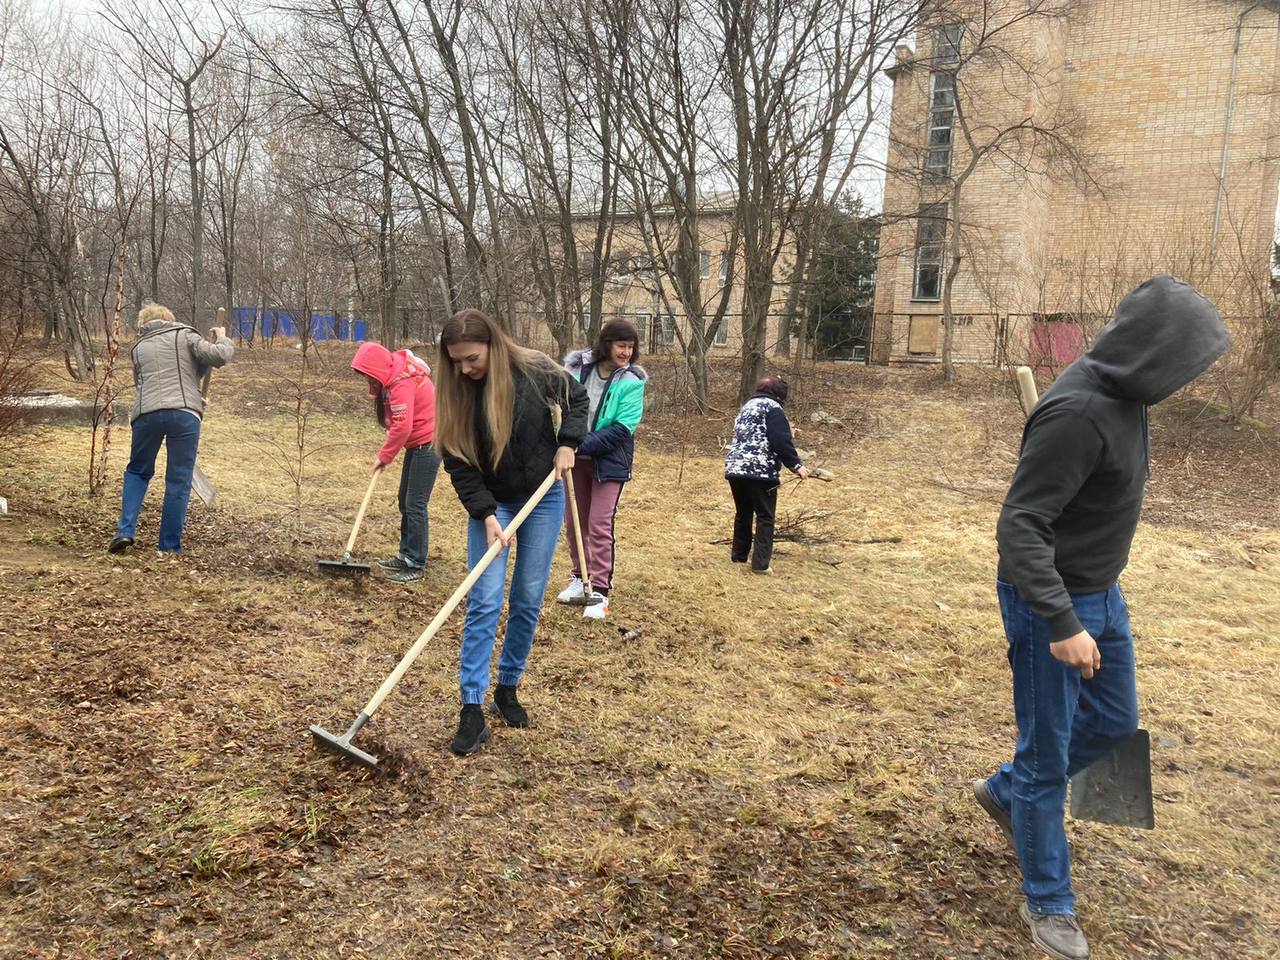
(456, 394)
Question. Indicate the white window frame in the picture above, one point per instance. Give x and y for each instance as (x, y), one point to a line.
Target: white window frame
(946, 44)
(930, 248)
(724, 268)
(704, 264)
(939, 133)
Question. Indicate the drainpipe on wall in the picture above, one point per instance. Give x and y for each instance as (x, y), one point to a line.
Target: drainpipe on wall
(1226, 133)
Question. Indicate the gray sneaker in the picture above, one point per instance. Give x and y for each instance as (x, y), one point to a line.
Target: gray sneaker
(407, 575)
(393, 563)
(982, 794)
(1058, 935)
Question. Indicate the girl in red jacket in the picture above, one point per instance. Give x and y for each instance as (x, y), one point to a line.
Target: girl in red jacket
(405, 403)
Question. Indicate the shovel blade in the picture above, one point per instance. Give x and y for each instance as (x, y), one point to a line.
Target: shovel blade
(1116, 789)
(201, 486)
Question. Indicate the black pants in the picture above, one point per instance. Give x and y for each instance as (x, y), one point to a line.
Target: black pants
(417, 477)
(758, 500)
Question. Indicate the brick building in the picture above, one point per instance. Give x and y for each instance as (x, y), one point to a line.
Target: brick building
(1134, 137)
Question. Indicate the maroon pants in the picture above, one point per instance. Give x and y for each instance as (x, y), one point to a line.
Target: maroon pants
(597, 507)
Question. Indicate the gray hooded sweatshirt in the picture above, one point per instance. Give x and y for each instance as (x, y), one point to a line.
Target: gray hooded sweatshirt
(1072, 509)
(168, 361)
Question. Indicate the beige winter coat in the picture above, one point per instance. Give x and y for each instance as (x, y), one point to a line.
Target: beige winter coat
(168, 361)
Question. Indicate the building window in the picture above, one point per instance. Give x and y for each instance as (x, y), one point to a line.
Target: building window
(642, 265)
(704, 264)
(724, 269)
(642, 322)
(722, 333)
(946, 45)
(931, 232)
(942, 111)
(662, 328)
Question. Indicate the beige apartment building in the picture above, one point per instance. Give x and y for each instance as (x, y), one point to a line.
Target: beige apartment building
(636, 282)
(1136, 137)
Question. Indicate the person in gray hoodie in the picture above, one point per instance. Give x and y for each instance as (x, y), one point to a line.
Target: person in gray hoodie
(169, 358)
(1064, 535)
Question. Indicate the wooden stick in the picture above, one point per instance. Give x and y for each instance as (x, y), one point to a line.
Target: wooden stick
(577, 532)
(364, 505)
(1027, 389)
(451, 604)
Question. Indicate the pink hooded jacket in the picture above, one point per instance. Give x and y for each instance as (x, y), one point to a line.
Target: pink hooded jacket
(408, 396)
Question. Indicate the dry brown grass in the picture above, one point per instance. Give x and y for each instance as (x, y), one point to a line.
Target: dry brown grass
(729, 767)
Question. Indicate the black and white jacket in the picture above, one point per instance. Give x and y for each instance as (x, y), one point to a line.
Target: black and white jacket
(762, 442)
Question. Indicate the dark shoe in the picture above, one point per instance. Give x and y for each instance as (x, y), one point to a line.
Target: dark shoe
(508, 707)
(119, 544)
(393, 563)
(407, 575)
(472, 730)
(982, 794)
(1058, 935)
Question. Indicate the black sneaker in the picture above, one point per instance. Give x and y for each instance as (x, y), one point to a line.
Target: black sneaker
(472, 730)
(508, 707)
(119, 544)
(393, 563)
(1058, 935)
(407, 575)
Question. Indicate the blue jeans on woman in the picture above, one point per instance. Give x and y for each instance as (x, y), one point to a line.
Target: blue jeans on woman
(417, 478)
(1065, 723)
(535, 547)
(179, 430)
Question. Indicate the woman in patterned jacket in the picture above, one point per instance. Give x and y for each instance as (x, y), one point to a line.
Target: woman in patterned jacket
(761, 445)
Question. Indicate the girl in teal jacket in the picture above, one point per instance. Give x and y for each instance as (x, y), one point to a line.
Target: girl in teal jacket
(615, 386)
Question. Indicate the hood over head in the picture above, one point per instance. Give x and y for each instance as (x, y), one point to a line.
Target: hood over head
(1164, 335)
(378, 362)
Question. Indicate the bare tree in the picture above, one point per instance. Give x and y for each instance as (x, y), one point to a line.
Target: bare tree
(109, 136)
(45, 153)
(181, 47)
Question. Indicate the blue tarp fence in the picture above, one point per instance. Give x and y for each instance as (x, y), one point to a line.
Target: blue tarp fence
(274, 322)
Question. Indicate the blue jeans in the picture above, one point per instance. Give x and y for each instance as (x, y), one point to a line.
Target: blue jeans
(535, 548)
(417, 478)
(1065, 723)
(180, 432)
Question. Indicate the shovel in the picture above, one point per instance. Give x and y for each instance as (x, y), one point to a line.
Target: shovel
(1114, 789)
(589, 597)
(200, 484)
(343, 566)
(342, 745)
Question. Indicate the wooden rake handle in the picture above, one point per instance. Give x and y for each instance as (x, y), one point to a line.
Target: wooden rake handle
(577, 533)
(451, 604)
(364, 505)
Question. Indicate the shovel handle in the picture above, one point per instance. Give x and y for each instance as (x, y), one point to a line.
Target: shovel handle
(1027, 389)
(451, 604)
(577, 533)
(364, 505)
(208, 374)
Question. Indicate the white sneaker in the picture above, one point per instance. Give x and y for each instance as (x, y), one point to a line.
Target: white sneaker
(572, 592)
(597, 611)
